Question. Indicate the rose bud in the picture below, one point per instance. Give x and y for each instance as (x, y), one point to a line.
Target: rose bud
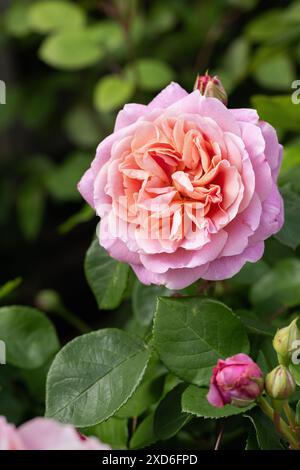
(286, 341)
(236, 380)
(280, 384)
(211, 87)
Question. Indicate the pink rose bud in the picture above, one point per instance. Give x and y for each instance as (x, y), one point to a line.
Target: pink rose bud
(236, 380)
(211, 87)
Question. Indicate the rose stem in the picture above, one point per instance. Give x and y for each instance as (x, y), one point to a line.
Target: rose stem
(219, 437)
(286, 432)
(291, 417)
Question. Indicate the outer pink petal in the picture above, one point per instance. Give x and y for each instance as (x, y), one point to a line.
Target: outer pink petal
(86, 187)
(47, 434)
(9, 436)
(238, 359)
(214, 397)
(175, 279)
(167, 96)
(253, 139)
(215, 109)
(116, 247)
(272, 217)
(245, 115)
(228, 266)
(242, 227)
(129, 114)
(273, 150)
(263, 177)
(182, 258)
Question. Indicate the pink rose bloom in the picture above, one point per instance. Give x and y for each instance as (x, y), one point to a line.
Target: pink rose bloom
(186, 188)
(45, 434)
(236, 380)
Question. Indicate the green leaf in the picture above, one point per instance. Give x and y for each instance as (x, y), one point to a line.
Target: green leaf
(35, 380)
(106, 277)
(111, 92)
(62, 180)
(291, 159)
(83, 215)
(71, 50)
(276, 73)
(16, 20)
(236, 58)
(280, 286)
(254, 324)
(267, 26)
(162, 18)
(265, 433)
(267, 357)
(94, 375)
(29, 336)
(194, 401)
(82, 127)
(278, 111)
(169, 418)
(9, 287)
(290, 233)
(252, 443)
(13, 403)
(144, 435)
(191, 334)
(144, 299)
(30, 205)
(147, 393)
(298, 413)
(108, 34)
(152, 74)
(244, 4)
(249, 273)
(48, 15)
(114, 432)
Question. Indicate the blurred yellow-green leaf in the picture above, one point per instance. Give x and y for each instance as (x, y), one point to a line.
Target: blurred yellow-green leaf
(71, 50)
(112, 91)
(278, 111)
(151, 74)
(47, 15)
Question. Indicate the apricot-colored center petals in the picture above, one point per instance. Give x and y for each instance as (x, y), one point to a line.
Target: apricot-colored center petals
(176, 179)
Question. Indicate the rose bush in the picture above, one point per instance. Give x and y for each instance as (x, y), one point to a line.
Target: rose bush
(186, 188)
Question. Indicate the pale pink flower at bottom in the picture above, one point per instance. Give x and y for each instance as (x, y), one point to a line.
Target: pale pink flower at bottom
(45, 434)
(9, 437)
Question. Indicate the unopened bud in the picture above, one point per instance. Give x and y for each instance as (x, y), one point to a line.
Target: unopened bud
(280, 384)
(237, 380)
(48, 300)
(286, 341)
(211, 87)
